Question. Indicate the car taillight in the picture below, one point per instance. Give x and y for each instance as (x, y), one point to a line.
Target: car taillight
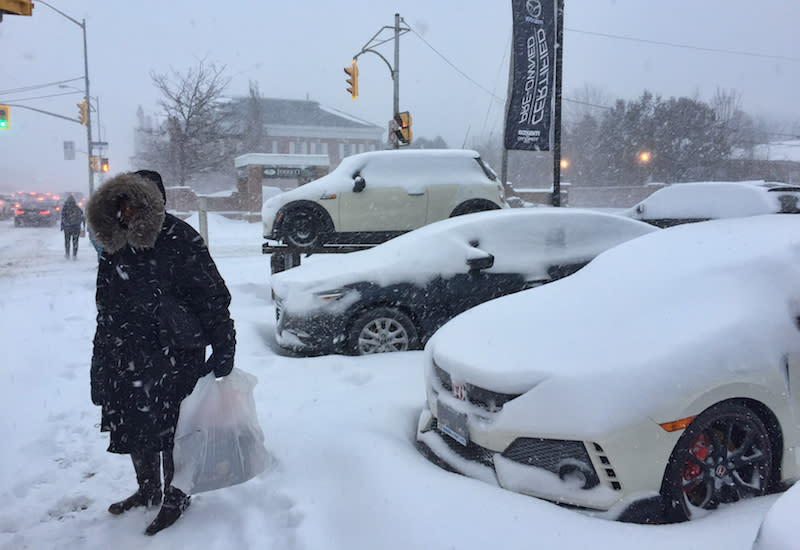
(44, 212)
(18, 212)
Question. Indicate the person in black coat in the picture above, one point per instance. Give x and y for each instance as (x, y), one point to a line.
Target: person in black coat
(142, 365)
(72, 220)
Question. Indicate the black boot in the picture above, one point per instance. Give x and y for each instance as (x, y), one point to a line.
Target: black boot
(148, 475)
(175, 502)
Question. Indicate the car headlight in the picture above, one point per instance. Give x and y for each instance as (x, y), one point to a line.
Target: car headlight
(332, 295)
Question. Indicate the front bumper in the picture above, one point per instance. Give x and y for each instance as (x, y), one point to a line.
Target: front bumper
(310, 333)
(615, 477)
(559, 471)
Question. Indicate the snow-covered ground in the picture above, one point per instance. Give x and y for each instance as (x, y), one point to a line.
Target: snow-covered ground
(345, 475)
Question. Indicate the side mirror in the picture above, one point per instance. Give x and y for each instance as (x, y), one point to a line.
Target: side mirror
(478, 264)
(359, 183)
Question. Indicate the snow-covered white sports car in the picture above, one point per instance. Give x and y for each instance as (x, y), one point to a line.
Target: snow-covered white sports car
(660, 381)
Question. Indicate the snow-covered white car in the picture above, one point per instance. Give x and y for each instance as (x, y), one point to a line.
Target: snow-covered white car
(371, 197)
(778, 530)
(395, 296)
(700, 201)
(656, 383)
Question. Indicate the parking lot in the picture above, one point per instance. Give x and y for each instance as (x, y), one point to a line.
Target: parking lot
(346, 473)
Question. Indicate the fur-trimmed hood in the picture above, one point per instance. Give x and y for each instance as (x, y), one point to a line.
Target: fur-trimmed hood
(103, 213)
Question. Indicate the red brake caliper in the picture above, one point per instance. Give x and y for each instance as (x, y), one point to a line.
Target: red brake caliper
(699, 449)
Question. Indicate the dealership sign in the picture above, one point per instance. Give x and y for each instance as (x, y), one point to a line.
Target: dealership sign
(529, 110)
(288, 172)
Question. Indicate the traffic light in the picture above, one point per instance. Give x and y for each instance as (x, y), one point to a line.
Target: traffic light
(83, 111)
(94, 162)
(16, 7)
(403, 131)
(4, 117)
(104, 164)
(352, 72)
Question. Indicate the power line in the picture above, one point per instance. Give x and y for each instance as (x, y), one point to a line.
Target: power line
(37, 86)
(38, 97)
(462, 73)
(684, 46)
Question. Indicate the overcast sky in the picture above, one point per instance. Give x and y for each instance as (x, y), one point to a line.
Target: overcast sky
(454, 85)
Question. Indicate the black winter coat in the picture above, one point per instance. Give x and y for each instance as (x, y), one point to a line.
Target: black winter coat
(138, 380)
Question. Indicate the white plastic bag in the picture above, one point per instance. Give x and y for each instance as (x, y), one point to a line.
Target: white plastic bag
(218, 442)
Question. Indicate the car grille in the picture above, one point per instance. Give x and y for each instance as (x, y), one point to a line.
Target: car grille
(471, 452)
(549, 454)
(490, 400)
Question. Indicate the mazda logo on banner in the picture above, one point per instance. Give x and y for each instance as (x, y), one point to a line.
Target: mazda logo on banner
(529, 111)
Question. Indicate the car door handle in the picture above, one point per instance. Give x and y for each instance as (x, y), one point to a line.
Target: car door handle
(416, 194)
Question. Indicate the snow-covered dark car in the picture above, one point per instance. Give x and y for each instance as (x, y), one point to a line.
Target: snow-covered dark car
(38, 211)
(395, 296)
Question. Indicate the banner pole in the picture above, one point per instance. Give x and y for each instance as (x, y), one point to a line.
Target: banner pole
(556, 199)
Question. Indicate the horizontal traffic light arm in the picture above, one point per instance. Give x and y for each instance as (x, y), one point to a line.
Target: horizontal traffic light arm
(17, 106)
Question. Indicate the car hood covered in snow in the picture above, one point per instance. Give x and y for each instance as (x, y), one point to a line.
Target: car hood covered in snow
(644, 326)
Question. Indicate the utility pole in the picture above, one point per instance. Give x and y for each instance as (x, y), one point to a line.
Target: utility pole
(398, 30)
(396, 72)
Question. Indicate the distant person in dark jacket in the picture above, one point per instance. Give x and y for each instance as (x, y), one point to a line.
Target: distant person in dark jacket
(72, 221)
(139, 375)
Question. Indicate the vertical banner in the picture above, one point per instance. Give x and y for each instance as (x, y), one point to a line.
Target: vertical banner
(529, 111)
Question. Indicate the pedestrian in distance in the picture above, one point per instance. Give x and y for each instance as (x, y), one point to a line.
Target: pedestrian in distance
(147, 354)
(72, 221)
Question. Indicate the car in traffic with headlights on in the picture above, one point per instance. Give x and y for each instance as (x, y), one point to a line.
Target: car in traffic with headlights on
(394, 296)
(655, 384)
(36, 211)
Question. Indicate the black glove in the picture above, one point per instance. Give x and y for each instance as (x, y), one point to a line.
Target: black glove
(98, 396)
(221, 364)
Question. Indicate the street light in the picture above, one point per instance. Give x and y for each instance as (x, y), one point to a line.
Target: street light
(644, 157)
(82, 25)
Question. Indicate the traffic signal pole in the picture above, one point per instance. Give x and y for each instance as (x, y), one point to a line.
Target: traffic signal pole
(88, 111)
(373, 42)
(396, 72)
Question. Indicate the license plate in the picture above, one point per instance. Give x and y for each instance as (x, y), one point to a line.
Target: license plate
(453, 423)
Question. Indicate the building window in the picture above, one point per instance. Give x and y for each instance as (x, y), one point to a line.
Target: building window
(275, 146)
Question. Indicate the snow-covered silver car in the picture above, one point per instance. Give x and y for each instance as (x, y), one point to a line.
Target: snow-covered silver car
(371, 197)
(701, 201)
(656, 383)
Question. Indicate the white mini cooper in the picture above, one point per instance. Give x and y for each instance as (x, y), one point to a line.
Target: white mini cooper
(372, 197)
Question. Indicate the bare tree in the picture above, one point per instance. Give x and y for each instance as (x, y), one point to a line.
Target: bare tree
(587, 101)
(254, 134)
(194, 123)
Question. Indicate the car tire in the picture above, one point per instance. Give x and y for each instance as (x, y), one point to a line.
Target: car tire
(380, 330)
(724, 455)
(472, 206)
(303, 227)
